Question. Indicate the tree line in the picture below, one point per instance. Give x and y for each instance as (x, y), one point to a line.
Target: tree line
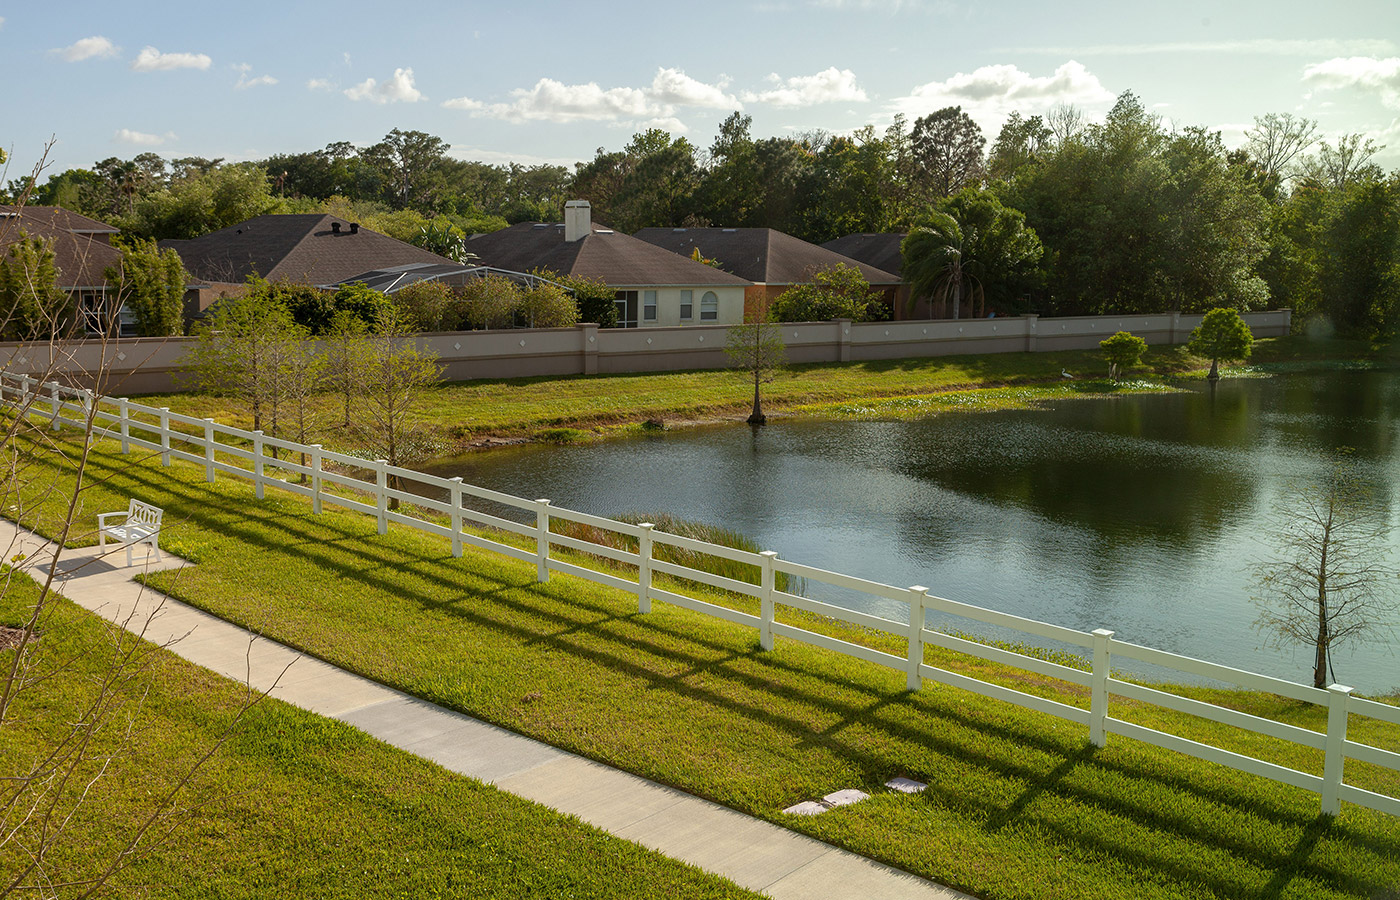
(1056, 214)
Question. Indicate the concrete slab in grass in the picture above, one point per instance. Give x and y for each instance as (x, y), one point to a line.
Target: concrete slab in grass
(840, 874)
(905, 785)
(845, 797)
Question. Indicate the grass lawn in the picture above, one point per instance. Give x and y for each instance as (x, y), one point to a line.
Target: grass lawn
(296, 805)
(1018, 804)
(574, 407)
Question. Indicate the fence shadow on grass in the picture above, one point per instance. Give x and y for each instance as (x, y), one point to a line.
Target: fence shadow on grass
(790, 691)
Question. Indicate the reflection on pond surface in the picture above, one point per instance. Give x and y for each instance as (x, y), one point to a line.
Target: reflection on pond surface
(1143, 514)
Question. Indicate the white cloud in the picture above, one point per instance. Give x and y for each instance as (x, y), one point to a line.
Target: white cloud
(1368, 73)
(320, 84)
(95, 47)
(245, 82)
(142, 139)
(991, 93)
(554, 101)
(398, 89)
(504, 157)
(830, 85)
(152, 60)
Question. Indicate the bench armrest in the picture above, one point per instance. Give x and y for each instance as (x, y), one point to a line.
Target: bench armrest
(102, 516)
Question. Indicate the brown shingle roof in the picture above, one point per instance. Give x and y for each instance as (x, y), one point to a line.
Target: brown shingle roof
(878, 250)
(79, 259)
(616, 259)
(302, 248)
(761, 255)
(63, 219)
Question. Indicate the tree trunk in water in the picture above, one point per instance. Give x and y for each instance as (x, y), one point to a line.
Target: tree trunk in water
(1214, 370)
(757, 417)
(1323, 638)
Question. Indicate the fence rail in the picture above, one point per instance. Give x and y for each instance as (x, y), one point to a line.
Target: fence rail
(198, 442)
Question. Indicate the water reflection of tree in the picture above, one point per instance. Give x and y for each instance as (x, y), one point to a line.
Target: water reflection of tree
(1129, 474)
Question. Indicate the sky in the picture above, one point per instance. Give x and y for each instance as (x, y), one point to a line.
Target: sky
(551, 82)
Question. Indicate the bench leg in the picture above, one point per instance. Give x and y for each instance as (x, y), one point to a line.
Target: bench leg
(128, 554)
(155, 548)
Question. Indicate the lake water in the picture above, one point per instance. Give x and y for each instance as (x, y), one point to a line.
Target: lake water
(1144, 514)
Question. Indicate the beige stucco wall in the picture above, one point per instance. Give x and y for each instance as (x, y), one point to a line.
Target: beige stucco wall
(148, 365)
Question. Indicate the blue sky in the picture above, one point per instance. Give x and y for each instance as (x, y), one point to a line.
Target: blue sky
(552, 82)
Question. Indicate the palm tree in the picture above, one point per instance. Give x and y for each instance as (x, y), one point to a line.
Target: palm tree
(935, 262)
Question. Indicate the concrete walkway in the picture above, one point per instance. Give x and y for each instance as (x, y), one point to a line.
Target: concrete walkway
(755, 854)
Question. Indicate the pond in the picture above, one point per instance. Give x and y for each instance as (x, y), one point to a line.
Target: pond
(1145, 514)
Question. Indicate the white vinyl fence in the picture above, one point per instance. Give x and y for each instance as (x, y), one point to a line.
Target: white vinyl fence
(246, 455)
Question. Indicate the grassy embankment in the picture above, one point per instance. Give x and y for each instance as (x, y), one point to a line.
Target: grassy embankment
(575, 408)
(1018, 804)
(292, 804)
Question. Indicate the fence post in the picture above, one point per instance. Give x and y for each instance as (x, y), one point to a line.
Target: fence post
(1098, 697)
(917, 595)
(767, 582)
(24, 391)
(381, 493)
(644, 568)
(209, 450)
(57, 404)
(456, 492)
(1335, 755)
(258, 462)
(316, 479)
(126, 430)
(165, 435)
(542, 541)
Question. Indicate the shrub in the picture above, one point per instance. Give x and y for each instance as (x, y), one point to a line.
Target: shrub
(839, 292)
(1122, 351)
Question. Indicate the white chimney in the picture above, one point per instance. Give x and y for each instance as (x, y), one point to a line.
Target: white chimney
(578, 219)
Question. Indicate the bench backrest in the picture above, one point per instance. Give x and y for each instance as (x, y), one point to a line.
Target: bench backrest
(138, 513)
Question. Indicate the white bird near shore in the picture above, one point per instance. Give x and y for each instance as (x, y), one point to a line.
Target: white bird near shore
(1064, 374)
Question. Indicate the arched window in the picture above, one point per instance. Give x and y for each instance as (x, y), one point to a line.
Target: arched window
(709, 307)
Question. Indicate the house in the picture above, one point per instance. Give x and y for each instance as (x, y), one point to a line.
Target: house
(654, 287)
(310, 248)
(882, 250)
(771, 260)
(82, 249)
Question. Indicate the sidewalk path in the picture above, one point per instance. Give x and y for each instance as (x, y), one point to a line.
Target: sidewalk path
(755, 854)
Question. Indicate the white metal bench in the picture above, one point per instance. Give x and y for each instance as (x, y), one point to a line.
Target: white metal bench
(141, 525)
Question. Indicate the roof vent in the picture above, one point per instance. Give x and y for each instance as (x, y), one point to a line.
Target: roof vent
(540, 225)
(335, 228)
(604, 231)
(678, 230)
(354, 227)
(729, 230)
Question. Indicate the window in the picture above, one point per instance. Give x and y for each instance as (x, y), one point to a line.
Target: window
(709, 307)
(626, 309)
(687, 305)
(649, 306)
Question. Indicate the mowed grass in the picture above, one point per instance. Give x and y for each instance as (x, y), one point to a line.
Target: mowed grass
(1018, 804)
(293, 804)
(539, 408)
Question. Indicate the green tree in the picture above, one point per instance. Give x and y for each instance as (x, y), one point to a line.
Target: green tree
(427, 305)
(838, 292)
(1019, 144)
(371, 307)
(410, 164)
(490, 302)
(596, 302)
(947, 147)
(998, 249)
(1329, 583)
(151, 283)
(203, 203)
(347, 350)
(1222, 334)
(756, 350)
(396, 373)
(1123, 351)
(239, 352)
(32, 307)
(934, 264)
(546, 306)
